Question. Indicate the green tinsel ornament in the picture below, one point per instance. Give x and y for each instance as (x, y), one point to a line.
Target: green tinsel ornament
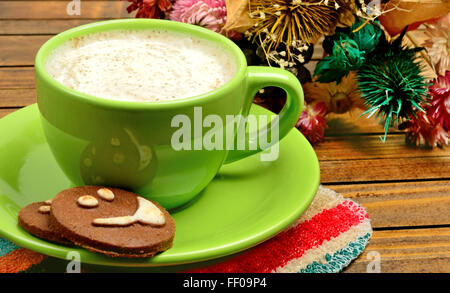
(391, 84)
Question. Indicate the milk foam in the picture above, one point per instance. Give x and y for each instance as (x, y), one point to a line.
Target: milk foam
(142, 65)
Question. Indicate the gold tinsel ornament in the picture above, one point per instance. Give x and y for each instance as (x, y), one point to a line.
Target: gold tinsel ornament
(293, 24)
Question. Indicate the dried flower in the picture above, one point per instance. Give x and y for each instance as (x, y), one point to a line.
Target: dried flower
(439, 109)
(438, 44)
(211, 14)
(338, 98)
(312, 123)
(291, 22)
(423, 130)
(431, 127)
(149, 8)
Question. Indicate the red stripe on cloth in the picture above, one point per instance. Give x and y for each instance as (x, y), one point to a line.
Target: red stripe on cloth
(292, 243)
(19, 260)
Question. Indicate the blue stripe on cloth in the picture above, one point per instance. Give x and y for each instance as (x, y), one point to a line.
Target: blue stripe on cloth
(6, 246)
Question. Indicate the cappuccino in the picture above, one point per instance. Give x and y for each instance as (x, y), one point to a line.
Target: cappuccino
(141, 65)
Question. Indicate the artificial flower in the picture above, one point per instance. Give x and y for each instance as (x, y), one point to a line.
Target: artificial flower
(293, 25)
(312, 123)
(347, 50)
(438, 44)
(421, 129)
(149, 8)
(211, 14)
(338, 98)
(439, 108)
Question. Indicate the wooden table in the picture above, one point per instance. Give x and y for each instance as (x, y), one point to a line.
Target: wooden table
(405, 190)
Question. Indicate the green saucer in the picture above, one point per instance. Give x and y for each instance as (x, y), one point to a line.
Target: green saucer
(248, 202)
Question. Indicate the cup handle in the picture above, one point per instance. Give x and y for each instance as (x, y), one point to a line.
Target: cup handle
(259, 77)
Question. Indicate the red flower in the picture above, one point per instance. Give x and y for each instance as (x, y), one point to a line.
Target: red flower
(432, 127)
(312, 123)
(439, 109)
(423, 130)
(149, 8)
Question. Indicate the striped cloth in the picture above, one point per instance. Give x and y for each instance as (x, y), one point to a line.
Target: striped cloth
(325, 239)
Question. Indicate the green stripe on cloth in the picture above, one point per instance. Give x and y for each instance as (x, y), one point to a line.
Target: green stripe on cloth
(340, 259)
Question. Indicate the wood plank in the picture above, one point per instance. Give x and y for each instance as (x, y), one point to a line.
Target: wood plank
(20, 50)
(371, 147)
(402, 204)
(17, 97)
(373, 170)
(36, 27)
(353, 122)
(4, 112)
(407, 251)
(16, 78)
(58, 10)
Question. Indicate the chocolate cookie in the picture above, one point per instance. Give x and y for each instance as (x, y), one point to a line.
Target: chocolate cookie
(112, 221)
(34, 218)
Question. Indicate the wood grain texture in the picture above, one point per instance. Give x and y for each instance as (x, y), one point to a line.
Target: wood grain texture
(4, 112)
(353, 122)
(16, 78)
(357, 147)
(17, 97)
(58, 10)
(20, 50)
(373, 170)
(39, 27)
(407, 251)
(402, 204)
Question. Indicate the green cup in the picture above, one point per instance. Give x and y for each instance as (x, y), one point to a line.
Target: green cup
(127, 144)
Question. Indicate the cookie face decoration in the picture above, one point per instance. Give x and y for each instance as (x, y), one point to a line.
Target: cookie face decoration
(147, 214)
(106, 194)
(87, 201)
(112, 221)
(44, 209)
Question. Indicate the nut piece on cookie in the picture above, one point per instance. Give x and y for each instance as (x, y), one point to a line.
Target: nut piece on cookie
(45, 209)
(106, 194)
(87, 201)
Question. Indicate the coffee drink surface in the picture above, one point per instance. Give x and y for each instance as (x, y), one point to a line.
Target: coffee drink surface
(140, 65)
